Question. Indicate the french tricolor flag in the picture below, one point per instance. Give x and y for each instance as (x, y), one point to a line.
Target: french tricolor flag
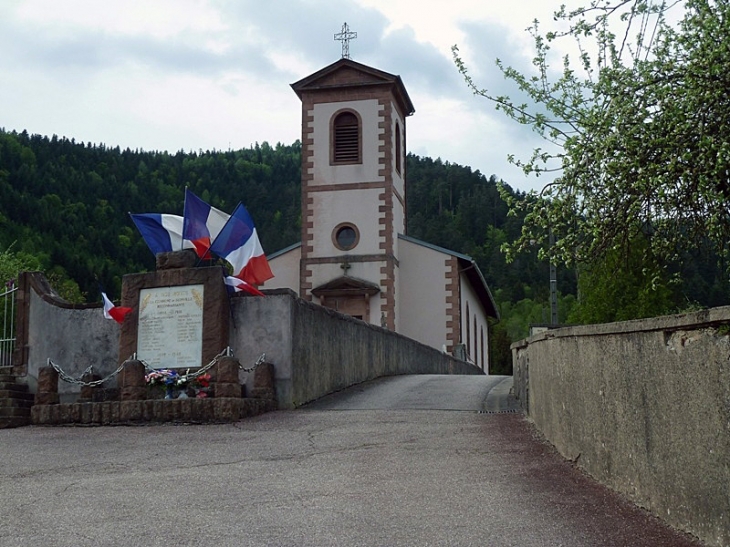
(118, 313)
(238, 243)
(161, 232)
(237, 285)
(201, 223)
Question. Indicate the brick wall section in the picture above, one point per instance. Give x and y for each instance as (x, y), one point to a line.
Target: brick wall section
(305, 273)
(453, 311)
(387, 221)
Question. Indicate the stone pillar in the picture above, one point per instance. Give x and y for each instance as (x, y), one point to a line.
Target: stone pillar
(263, 382)
(47, 393)
(132, 385)
(225, 378)
(87, 392)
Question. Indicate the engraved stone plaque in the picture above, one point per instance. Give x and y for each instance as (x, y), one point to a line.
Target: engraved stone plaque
(170, 326)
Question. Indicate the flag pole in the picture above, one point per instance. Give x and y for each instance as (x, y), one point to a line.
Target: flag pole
(185, 202)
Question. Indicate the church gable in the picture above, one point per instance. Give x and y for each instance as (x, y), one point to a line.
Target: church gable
(346, 73)
(349, 76)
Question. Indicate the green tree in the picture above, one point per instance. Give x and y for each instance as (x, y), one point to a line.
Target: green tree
(620, 287)
(11, 264)
(641, 125)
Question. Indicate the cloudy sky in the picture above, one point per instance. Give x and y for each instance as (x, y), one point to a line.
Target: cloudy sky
(214, 74)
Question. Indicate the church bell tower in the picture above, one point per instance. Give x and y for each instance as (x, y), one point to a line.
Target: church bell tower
(353, 189)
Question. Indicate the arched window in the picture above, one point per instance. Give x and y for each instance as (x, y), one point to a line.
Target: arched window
(476, 342)
(468, 332)
(398, 149)
(346, 138)
(484, 359)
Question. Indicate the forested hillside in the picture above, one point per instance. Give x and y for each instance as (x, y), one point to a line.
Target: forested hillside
(64, 209)
(66, 203)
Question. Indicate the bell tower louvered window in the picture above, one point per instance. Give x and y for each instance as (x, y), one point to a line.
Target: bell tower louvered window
(346, 145)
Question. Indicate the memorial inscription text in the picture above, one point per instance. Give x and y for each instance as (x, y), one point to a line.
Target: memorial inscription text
(170, 327)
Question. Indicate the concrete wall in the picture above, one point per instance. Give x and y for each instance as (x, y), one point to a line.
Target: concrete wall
(315, 350)
(73, 336)
(644, 407)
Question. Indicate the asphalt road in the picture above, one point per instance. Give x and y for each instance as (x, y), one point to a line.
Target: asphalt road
(425, 461)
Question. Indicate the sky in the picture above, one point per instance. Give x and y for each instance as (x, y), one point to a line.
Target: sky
(215, 74)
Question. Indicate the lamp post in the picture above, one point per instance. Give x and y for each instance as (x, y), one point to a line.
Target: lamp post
(553, 284)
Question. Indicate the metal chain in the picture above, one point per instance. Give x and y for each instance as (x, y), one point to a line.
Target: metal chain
(259, 361)
(188, 375)
(71, 380)
(228, 352)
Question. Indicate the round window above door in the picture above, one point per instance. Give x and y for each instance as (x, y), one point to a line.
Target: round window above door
(345, 236)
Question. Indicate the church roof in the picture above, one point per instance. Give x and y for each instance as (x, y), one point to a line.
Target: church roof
(346, 73)
(470, 269)
(284, 250)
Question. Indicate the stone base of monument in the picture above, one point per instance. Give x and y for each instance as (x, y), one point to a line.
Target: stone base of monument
(135, 407)
(196, 411)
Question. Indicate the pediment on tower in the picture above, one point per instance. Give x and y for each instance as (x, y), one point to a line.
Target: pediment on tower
(347, 73)
(346, 286)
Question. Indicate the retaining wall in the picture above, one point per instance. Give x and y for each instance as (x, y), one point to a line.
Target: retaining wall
(644, 407)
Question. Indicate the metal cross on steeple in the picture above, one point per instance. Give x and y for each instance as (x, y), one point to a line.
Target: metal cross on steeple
(345, 36)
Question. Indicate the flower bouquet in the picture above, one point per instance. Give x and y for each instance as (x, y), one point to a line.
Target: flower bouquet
(201, 384)
(173, 382)
(168, 379)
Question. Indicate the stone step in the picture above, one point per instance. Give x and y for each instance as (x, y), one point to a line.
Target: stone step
(18, 403)
(7, 378)
(14, 412)
(14, 421)
(15, 394)
(13, 386)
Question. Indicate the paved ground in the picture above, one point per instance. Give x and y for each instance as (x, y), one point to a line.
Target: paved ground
(401, 474)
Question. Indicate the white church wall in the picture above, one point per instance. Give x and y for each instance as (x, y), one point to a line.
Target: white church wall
(333, 208)
(371, 115)
(285, 268)
(399, 222)
(474, 333)
(422, 288)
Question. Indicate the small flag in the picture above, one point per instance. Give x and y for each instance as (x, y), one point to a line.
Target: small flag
(238, 243)
(161, 232)
(201, 223)
(118, 313)
(238, 285)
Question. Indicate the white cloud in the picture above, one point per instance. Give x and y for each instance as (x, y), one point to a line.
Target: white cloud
(204, 74)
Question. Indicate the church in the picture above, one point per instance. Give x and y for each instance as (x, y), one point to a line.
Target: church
(355, 255)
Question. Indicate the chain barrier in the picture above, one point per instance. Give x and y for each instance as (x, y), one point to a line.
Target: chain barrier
(95, 383)
(191, 375)
(261, 360)
(186, 377)
(228, 352)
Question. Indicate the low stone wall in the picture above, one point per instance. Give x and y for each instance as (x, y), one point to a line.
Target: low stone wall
(644, 407)
(159, 410)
